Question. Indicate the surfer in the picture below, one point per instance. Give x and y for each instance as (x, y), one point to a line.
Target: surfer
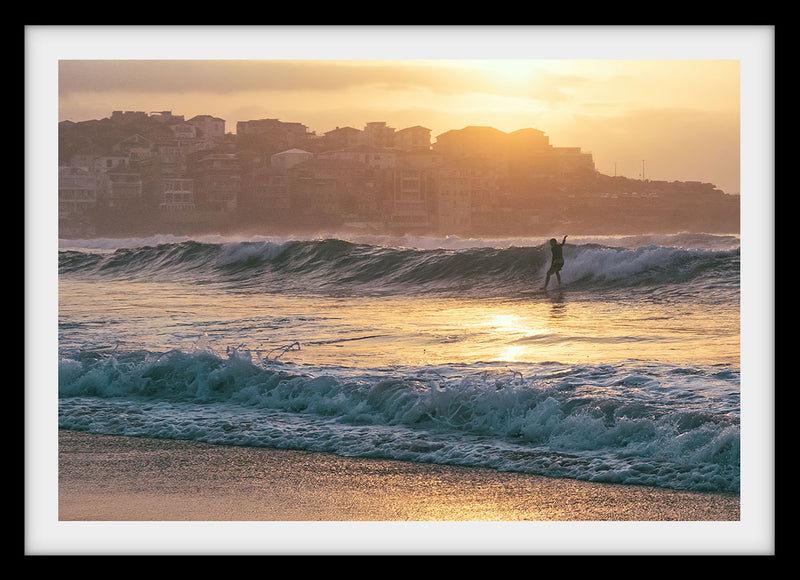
(557, 262)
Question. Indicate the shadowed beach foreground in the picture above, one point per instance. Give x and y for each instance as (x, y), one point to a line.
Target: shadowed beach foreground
(110, 478)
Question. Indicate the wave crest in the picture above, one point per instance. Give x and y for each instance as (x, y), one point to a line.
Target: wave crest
(337, 265)
(563, 422)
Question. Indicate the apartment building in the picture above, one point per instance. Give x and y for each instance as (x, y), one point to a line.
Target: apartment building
(176, 195)
(270, 136)
(410, 200)
(77, 192)
(266, 189)
(377, 134)
(339, 138)
(210, 130)
(217, 181)
(416, 138)
(332, 190)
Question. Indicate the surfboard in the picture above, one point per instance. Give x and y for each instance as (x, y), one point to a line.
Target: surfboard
(549, 291)
(534, 292)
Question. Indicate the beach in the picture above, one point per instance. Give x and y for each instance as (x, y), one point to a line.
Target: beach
(302, 389)
(111, 478)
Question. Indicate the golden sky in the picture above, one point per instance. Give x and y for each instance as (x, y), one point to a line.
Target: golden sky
(678, 115)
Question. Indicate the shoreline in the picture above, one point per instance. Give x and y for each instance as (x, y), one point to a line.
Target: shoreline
(117, 478)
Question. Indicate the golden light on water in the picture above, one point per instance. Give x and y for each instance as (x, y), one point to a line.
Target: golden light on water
(381, 331)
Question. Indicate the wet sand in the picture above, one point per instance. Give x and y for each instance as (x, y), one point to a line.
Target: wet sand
(112, 478)
(124, 479)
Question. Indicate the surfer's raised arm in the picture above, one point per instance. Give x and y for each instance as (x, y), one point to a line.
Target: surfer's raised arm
(564, 241)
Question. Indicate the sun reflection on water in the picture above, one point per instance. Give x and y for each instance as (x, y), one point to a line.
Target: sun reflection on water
(378, 331)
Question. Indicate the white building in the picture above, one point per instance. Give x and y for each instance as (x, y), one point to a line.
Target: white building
(177, 195)
(289, 158)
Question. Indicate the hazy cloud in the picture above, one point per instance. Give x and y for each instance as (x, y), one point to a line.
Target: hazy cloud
(225, 77)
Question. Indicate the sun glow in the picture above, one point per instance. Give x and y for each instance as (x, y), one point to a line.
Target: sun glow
(510, 68)
(620, 110)
(512, 334)
(511, 324)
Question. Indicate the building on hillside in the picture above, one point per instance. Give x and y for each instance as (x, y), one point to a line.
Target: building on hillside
(121, 190)
(266, 189)
(136, 148)
(268, 195)
(269, 136)
(105, 163)
(377, 134)
(412, 193)
(340, 138)
(170, 159)
(330, 191)
(85, 159)
(184, 135)
(119, 183)
(466, 196)
(419, 159)
(453, 207)
(217, 181)
(376, 157)
(165, 117)
(572, 162)
(285, 159)
(415, 138)
(128, 117)
(210, 130)
(77, 192)
(485, 143)
(177, 195)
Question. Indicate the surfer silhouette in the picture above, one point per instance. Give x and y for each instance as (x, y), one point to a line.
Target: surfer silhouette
(557, 262)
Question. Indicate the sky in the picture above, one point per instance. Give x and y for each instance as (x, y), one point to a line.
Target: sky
(670, 101)
(676, 119)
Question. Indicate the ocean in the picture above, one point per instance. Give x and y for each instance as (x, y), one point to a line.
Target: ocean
(436, 350)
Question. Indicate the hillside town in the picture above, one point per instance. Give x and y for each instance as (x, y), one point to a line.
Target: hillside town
(141, 172)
